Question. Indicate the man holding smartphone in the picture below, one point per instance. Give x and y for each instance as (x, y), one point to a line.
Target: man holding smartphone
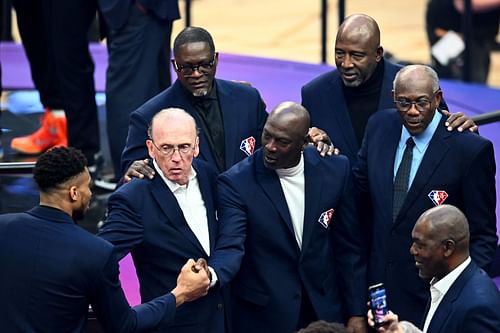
(464, 299)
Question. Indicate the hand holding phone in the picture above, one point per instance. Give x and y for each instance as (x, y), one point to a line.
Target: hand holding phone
(378, 303)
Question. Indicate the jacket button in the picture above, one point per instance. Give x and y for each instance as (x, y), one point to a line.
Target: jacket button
(220, 306)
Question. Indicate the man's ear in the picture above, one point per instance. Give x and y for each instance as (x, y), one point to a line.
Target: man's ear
(197, 147)
(449, 248)
(393, 94)
(73, 193)
(151, 148)
(380, 53)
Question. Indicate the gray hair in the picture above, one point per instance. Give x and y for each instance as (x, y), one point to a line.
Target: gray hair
(431, 74)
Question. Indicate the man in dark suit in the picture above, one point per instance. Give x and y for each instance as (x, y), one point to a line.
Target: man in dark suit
(464, 299)
(409, 163)
(294, 213)
(341, 101)
(167, 219)
(229, 115)
(52, 269)
(138, 41)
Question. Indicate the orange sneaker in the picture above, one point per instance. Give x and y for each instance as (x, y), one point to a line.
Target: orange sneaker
(52, 133)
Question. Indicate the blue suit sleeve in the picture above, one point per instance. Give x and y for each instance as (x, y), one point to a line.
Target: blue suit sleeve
(479, 206)
(114, 312)
(123, 227)
(350, 251)
(229, 247)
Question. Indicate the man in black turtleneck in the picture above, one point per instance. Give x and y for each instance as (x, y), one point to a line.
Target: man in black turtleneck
(229, 115)
(341, 101)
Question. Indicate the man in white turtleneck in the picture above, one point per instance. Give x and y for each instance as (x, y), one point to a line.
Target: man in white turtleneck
(293, 211)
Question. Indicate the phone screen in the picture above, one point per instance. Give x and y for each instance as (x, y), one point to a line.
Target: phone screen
(378, 303)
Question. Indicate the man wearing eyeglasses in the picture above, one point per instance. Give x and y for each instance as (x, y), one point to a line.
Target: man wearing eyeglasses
(229, 115)
(165, 220)
(341, 101)
(408, 163)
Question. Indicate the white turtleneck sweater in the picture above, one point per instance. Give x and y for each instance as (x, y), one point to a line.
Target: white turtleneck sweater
(292, 182)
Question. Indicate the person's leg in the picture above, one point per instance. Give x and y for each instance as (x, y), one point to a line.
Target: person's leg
(69, 27)
(33, 20)
(132, 75)
(164, 65)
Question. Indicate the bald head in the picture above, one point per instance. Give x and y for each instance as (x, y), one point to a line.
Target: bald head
(172, 117)
(284, 135)
(447, 222)
(292, 114)
(412, 74)
(357, 49)
(361, 26)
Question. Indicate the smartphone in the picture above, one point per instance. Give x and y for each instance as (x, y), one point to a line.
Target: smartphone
(378, 303)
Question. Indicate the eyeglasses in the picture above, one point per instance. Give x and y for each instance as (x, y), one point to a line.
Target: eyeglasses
(421, 105)
(203, 68)
(168, 150)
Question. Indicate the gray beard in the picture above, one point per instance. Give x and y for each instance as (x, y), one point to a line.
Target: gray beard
(200, 92)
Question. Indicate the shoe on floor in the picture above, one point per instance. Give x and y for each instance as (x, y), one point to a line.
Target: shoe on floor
(52, 133)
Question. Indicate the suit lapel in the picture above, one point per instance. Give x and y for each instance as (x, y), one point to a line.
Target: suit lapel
(341, 116)
(207, 195)
(270, 183)
(173, 212)
(445, 308)
(313, 189)
(433, 156)
(230, 121)
(386, 153)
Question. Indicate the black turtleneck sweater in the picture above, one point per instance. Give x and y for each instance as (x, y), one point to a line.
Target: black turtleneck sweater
(208, 109)
(362, 101)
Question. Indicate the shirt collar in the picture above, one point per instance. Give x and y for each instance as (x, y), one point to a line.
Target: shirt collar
(173, 186)
(446, 282)
(422, 140)
(293, 171)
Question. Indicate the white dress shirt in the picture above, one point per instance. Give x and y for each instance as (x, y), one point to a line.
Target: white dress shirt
(292, 183)
(439, 288)
(192, 205)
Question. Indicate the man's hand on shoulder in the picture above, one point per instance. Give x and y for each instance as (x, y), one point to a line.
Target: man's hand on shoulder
(322, 141)
(459, 121)
(139, 169)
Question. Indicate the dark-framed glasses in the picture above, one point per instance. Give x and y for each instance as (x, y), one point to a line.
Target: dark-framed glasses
(421, 105)
(168, 150)
(203, 68)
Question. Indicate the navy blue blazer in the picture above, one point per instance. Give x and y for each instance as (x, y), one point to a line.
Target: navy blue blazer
(52, 270)
(243, 115)
(144, 218)
(267, 290)
(461, 164)
(472, 304)
(116, 12)
(324, 98)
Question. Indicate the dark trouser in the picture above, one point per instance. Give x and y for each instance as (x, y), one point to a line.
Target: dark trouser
(54, 34)
(138, 69)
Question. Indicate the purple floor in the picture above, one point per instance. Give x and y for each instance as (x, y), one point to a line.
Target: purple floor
(277, 80)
